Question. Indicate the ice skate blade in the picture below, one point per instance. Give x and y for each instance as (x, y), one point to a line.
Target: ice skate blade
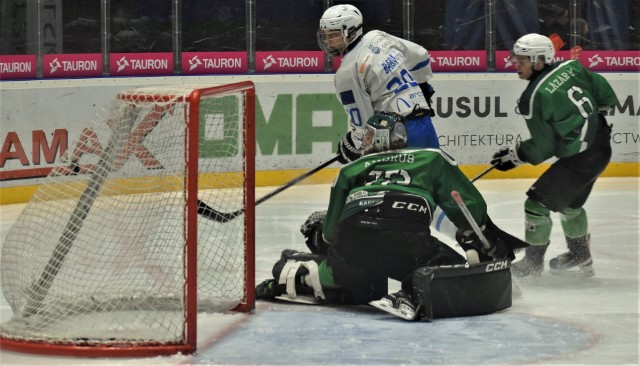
(582, 271)
(384, 306)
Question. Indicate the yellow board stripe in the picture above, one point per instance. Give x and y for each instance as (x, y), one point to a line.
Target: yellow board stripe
(21, 194)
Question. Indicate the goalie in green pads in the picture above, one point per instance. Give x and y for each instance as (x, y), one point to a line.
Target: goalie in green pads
(377, 227)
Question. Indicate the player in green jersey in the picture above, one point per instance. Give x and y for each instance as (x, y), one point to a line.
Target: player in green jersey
(377, 225)
(563, 107)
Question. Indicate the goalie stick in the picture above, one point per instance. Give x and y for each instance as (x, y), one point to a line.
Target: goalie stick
(209, 212)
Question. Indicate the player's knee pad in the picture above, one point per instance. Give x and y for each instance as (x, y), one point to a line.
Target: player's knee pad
(299, 272)
(574, 222)
(538, 222)
(290, 277)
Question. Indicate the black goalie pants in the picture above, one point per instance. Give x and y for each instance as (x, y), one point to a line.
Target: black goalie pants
(363, 259)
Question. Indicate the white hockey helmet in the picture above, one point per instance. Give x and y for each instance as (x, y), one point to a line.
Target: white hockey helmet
(346, 19)
(534, 45)
(384, 131)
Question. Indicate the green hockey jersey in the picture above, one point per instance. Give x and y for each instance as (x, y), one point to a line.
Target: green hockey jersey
(427, 173)
(560, 107)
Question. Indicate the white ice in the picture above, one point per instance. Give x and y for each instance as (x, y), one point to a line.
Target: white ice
(556, 321)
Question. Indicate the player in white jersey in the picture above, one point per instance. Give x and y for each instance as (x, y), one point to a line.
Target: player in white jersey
(378, 73)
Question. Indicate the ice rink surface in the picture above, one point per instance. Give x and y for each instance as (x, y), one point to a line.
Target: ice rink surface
(557, 320)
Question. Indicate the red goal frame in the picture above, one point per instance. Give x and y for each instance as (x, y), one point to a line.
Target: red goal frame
(150, 349)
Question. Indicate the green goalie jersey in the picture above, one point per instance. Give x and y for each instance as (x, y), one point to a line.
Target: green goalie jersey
(427, 173)
(560, 107)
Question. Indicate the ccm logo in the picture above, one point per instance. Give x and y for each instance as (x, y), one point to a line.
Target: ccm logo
(497, 266)
(410, 206)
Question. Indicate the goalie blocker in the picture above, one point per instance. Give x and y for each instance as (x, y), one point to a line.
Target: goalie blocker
(462, 290)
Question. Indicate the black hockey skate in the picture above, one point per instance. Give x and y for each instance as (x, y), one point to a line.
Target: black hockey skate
(532, 265)
(577, 261)
(269, 290)
(398, 304)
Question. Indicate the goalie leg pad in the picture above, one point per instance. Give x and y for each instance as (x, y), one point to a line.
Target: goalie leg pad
(454, 291)
(312, 279)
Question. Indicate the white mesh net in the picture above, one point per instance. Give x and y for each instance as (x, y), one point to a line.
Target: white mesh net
(98, 254)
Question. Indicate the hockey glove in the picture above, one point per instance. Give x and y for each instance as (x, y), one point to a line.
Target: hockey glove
(312, 231)
(498, 247)
(506, 159)
(347, 150)
(427, 90)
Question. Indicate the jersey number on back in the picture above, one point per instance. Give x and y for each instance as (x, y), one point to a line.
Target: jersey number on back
(575, 93)
(389, 177)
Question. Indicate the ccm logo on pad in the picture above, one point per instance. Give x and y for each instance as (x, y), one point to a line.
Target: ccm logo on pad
(410, 206)
(497, 266)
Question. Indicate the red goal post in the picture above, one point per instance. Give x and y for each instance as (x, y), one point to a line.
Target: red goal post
(114, 255)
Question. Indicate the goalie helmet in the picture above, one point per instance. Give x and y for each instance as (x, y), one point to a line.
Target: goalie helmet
(339, 22)
(384, 131)
(534, 45)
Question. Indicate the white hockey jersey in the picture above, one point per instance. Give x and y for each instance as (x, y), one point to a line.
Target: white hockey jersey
(381, 73)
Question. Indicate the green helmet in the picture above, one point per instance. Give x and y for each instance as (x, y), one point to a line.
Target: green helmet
(384, 131)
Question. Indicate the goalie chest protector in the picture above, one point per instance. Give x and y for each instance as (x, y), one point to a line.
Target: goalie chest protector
(452, 291)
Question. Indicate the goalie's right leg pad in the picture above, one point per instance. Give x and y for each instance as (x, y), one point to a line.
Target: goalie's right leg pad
(453, 291)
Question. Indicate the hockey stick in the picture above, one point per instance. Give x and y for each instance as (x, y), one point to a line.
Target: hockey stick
(207, 211)
(467, 214)
(484, 173)
(515, 288)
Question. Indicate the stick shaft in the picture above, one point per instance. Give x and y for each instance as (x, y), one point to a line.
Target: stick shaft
(207, 211)
(467, 214)
(298, 179)
(483, 173)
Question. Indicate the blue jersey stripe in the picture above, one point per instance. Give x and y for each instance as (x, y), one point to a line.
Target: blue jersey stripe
(420, 65)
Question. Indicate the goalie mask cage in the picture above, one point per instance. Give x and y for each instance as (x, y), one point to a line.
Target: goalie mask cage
(111, 257)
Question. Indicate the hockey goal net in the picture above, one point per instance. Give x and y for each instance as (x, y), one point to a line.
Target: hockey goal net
(124, 244)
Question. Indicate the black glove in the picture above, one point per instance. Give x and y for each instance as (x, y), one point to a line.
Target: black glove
(506, 159)
(498, 247)
(428, 91)
(312, 231)
(347, 150)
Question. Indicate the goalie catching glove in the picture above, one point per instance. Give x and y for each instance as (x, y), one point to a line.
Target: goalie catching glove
(501, 244)
(506, 159)
(312, 231)
(347, 150)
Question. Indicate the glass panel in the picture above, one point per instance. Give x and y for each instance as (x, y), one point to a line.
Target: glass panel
(610, 26)
(141, 26)
(214, 25)
(429, 25)
(287, 24)
(384, 15)
(634, 28)
(81, 26)
(464, 25)
(13, 27)
(554, 22)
